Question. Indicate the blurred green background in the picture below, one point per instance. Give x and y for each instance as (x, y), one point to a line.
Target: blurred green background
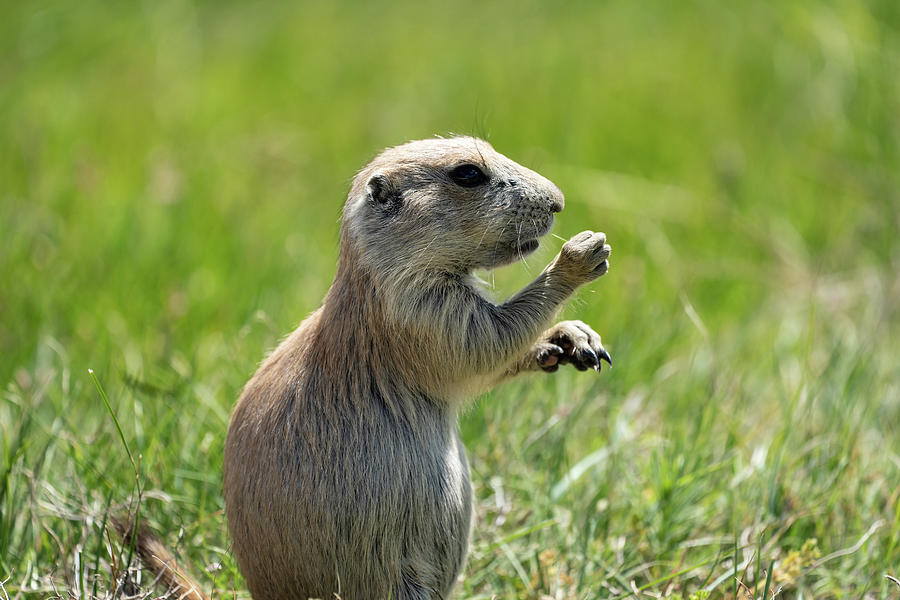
(171, 179)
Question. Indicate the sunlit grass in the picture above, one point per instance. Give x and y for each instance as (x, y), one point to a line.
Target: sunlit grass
(171, 177)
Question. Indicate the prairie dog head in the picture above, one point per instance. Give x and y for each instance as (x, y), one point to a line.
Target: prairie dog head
(446, 206)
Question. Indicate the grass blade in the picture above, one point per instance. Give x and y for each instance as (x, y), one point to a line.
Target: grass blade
(112, 414)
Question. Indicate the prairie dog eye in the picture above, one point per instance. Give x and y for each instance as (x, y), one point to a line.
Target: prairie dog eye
(468, 176)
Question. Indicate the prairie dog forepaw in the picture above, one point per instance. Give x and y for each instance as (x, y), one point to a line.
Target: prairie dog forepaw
(585, 256)
(570, 342)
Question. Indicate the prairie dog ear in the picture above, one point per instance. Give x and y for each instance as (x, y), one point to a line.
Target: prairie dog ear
(381, 194)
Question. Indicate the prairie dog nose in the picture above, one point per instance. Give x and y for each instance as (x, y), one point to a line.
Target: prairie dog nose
(557, 203)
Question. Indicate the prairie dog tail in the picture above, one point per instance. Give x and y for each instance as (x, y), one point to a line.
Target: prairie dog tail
(158, 560)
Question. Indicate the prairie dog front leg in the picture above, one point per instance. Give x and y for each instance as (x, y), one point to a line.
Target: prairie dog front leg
(515, 325)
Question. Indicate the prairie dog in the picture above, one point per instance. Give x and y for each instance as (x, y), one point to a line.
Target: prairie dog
(344, 472)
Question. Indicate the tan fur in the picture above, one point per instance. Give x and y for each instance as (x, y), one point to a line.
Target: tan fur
(344, 472)
(157, 558)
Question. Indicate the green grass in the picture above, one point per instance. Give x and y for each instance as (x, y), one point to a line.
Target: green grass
(171, 177)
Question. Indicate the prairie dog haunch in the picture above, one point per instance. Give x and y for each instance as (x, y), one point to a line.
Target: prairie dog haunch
(344, 472)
